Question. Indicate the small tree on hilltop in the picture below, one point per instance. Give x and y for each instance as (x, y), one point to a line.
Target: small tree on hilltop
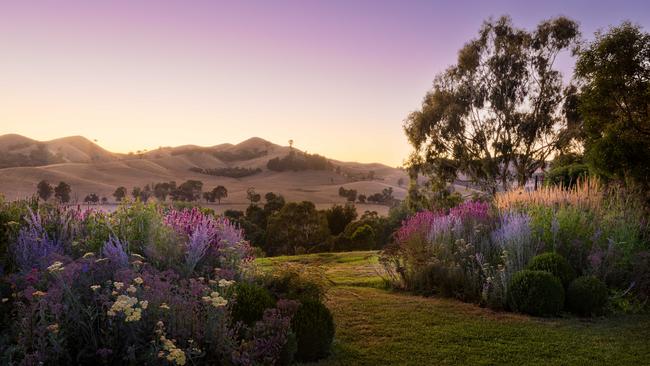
(44, 190)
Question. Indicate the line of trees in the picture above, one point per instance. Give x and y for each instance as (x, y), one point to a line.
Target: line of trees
(279, 227)
(385, 197)
(61, 191)
(188, 191)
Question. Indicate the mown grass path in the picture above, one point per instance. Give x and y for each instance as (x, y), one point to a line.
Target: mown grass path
(375, 326)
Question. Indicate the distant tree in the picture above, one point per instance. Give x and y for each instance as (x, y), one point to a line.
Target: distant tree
(274, 203)
(209, 196)
(220, 192)
(566, 170)
(163, 189)
(189, 190)
(62, 192)
(339, 216)
(91, 198)
(614, 103)
(120, 193)
(136, 192)
(371, 175)
(253, 196)
(44, 190)
(104, 200)
(352, 195)
(400, 182)
(497, 115)
(298, 226)
(361, 198)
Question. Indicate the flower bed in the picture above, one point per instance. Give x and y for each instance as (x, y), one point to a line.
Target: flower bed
(473, 251)
(142, 285)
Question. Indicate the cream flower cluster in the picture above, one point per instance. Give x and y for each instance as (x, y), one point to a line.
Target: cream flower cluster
(129, 306)
(55, 267)
(215, 300)
(170, 351)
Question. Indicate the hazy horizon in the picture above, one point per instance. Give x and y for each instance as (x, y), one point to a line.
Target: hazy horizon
(337, 77)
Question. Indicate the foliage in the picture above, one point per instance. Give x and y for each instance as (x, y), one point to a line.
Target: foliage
(298, 161)
(44, 190)
(338, 217)
(251, 301)
(554, 264)
(349, 194)
(120, 193)
(297, 226)
(566, 171)
(314, 328)
(587, 295)
(62, 192)
(536, 293)
(614, 72)
(297, 282)
(189, 190)
(497, 114)
(138, 286)
(232, 172)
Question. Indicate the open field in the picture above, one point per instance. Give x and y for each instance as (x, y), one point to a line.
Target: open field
(376, 326)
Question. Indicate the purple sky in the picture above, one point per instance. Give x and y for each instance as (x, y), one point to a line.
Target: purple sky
(338, 77)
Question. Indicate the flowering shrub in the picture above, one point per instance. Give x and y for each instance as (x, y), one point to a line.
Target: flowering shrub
(473, 251)
(137, 286)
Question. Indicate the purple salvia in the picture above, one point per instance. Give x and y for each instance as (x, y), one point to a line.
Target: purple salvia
(34, 246)
(198, 244)
(116, 251)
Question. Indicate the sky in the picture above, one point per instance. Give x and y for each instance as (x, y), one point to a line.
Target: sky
(337, 76)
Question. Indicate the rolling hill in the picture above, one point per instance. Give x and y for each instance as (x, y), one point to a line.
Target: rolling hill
(89, 168)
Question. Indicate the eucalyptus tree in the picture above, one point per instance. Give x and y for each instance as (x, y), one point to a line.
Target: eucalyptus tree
(499, 113)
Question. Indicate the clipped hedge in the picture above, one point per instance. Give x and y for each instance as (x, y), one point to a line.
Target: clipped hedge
(587, 295)
(554, 264)
(250, 302)
(536, 293)
(314, 328)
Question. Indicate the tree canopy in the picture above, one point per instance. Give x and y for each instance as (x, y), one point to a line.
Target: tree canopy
(498, 114)
(614, 103)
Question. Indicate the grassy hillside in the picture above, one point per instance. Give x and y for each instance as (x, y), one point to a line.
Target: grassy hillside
(376, 326)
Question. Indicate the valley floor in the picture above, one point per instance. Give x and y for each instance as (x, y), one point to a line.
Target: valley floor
(381, 327)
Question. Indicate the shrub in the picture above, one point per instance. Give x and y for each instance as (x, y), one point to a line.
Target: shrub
(587, 295)
(314, 328)
(297, 282)
(555, 264)
(250, 302)
(536, 293)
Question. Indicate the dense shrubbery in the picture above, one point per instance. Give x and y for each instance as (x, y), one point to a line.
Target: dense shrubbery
(142, 285)
(556, 265)
(314, 327)
(250, 303)
(473, 251)
(587, 295)
(536, 293)
(282, 228)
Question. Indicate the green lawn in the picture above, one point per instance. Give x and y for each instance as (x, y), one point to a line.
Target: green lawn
(375, 326)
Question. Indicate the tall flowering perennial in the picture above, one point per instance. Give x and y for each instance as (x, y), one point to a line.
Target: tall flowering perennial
(34, 245)
(418, 224)
(211, 238)
(471, 210)
(116, 251)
